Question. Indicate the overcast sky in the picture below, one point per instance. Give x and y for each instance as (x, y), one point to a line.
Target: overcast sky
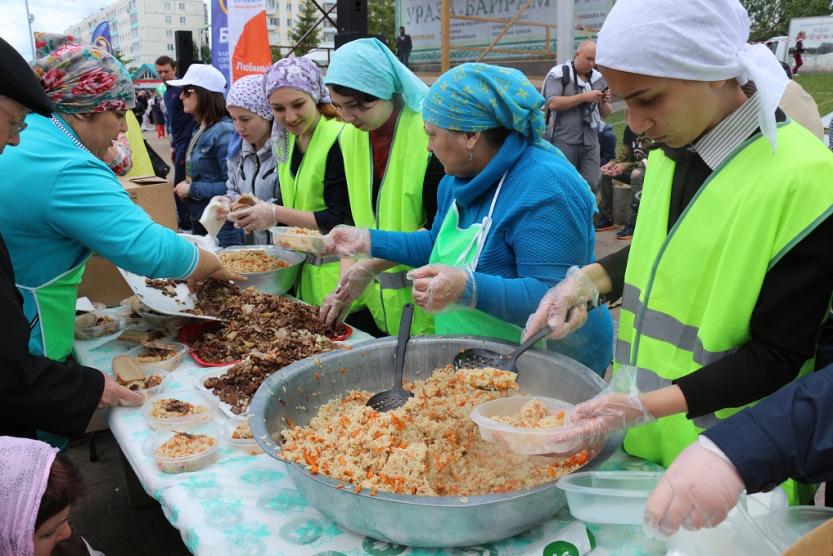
(52, 16)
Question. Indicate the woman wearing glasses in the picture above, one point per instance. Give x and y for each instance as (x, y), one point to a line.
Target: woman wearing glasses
(206, 168)
(61, 202)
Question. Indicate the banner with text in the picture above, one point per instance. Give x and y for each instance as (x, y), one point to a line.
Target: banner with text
(219, 37)
(421, 19)
(248, 39)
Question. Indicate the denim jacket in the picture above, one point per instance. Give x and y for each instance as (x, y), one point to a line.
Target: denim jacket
(209, 170)
(254, 172)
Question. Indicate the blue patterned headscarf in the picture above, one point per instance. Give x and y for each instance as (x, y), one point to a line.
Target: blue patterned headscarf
(369, 66)
(476, 97)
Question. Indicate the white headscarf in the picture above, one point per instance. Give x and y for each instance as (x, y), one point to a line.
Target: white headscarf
(695, 40)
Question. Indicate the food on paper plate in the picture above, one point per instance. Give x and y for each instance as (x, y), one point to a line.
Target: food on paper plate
(166, 285)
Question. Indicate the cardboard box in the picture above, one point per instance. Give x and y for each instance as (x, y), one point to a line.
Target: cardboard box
(102, 282)
(818, 542)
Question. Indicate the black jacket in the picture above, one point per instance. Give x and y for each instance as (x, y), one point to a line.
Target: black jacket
(37, 393)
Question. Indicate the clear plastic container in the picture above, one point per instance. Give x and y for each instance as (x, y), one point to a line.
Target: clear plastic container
(299, 239)
(158, 420)
(153, 390)
(95, 325)
(520, 440)
(615, 497)
(167, 365)
(246, 445)
(193, 458)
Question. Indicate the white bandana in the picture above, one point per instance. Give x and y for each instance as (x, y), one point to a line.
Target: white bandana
(695, 40)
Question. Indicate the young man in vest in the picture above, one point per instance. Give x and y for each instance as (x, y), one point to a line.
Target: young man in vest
(577, 98)
(727, 278)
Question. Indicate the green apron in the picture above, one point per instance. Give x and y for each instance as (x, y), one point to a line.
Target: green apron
(54, 321)
(462, 247)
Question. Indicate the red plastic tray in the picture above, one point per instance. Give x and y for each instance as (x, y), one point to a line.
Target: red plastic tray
(190, 333)
(348, 331)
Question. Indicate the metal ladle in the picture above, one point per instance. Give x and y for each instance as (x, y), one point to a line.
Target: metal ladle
(396, 396)
(477, 358)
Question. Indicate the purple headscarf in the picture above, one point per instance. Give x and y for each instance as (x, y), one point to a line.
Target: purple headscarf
(247, 92)
(296, 73)
(24, 472)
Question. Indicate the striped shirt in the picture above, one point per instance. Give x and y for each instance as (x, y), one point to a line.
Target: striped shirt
(716, 145)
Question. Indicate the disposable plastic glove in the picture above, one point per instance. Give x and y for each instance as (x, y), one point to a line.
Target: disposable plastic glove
(438, 287)
(348, 241)
(258, 217)
(564, 307)
(698, 490)
(225, 205)
(352, 285)
(617, 407)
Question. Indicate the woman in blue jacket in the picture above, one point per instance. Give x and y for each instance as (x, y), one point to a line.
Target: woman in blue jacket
(513, 215)
(206, 166)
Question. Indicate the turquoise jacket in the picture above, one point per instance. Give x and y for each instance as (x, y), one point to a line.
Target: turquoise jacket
(60, 203)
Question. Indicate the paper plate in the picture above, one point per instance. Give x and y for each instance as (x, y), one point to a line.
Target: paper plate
(161, 303)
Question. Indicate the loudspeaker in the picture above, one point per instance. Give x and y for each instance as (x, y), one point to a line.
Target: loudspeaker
(340, 39)
(352, 16)
(184, 51)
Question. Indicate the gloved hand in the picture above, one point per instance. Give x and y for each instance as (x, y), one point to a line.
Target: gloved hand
(437, 286)
(352, 285)
(348, 241)
(225, 205)
(115, 394)
(564, 307)
(617, 407)
(258, 217)
(698, 490)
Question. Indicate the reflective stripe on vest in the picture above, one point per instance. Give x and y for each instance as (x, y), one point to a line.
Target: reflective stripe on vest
(394, 280)
(318, 260)
(661, 326)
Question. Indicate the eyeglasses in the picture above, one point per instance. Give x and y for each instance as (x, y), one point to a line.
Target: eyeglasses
(188, 92)
(16, 126)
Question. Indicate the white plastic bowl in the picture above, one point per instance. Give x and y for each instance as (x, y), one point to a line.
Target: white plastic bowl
(166, 365)
(186, 422)
(518, 440)
(615, 497)
(188, 463)
(248, 446)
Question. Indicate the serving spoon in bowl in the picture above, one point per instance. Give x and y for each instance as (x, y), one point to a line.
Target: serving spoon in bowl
(396, 396)
(478, 358)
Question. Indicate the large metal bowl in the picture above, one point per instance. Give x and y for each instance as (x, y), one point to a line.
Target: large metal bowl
(297, 391)
(276, 282)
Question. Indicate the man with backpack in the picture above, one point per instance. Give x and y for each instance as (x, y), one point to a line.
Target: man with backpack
(577, 98)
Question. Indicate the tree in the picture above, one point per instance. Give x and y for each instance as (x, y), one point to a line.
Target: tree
(771, 18)
(305, 22)
(276, 53)
(126, 61)
(205, 51)
(381, 20)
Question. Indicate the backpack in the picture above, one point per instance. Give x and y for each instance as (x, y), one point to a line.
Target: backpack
(549, 115)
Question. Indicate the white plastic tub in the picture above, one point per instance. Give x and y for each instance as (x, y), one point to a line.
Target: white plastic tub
(615, 497)
(184, 422)
(522, 440)
(185, 463)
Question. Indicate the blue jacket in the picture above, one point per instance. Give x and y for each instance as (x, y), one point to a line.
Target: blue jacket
(787, 435)
(209, 166)
(542, 225)
(61, 203)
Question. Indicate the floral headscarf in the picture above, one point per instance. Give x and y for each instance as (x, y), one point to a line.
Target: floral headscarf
(24, 472)
(247, 92)
(476, 97)
(296, 73)
(81, 78)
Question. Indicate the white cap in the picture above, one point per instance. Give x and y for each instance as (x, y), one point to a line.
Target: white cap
(202, 75)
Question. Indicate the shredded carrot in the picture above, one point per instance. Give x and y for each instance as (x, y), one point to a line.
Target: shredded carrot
(358, 489)
(403, 444)
(345, 420)
(317, 376)
(290, 423)
(373, 491)
(397, 422)
(342, 460)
